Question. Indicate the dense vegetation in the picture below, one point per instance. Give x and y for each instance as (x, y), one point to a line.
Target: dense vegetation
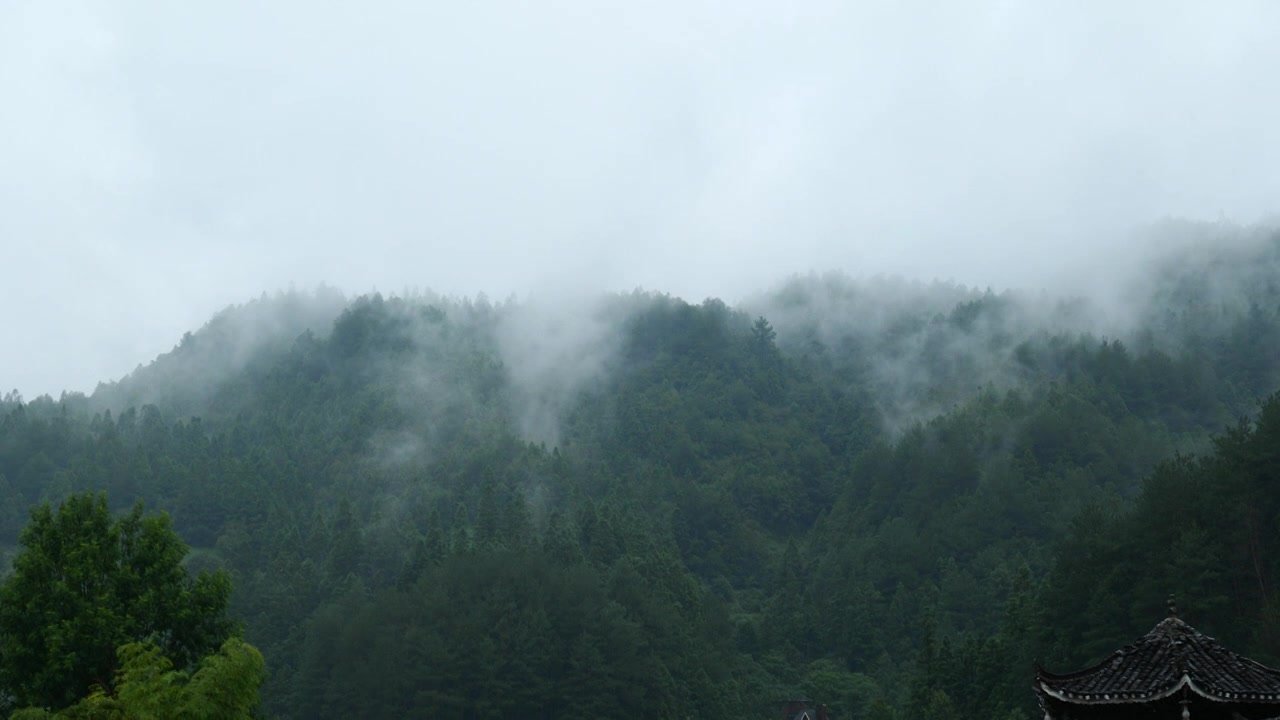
(100, 620)
(889, 497)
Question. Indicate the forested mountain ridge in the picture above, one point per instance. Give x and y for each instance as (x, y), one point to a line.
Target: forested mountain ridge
(883, 495)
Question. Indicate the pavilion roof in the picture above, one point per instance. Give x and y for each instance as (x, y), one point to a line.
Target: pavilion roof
(1171, 657)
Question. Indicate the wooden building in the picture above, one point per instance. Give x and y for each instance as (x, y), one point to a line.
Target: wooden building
(1173, 673)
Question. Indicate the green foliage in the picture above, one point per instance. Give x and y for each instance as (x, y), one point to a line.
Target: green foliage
(890, 498)
(85, 583)
(846, 694)
(147, 687)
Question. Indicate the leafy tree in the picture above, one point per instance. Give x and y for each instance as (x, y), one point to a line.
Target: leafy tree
(83, 584)
(147, 687)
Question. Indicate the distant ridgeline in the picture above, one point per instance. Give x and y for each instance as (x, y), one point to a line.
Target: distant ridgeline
(890, 498)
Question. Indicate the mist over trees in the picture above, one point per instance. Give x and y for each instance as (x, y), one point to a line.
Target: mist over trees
(887, 496)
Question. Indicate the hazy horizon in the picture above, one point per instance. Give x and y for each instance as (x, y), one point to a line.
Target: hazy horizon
(162, 163)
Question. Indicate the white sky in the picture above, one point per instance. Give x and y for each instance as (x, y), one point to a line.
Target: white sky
(159, 161)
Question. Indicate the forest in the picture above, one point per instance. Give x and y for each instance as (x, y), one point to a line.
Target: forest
(887, 496)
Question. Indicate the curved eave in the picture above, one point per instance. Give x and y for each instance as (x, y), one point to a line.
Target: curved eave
(1043, 675)
(1185, 682)
(1100, 666)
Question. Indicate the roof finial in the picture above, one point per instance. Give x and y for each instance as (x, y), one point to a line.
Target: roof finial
(1173, 606)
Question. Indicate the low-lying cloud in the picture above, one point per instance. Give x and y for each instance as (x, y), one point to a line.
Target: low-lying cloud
(160, 163)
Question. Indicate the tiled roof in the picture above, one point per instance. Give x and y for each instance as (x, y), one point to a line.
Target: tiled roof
(1170, 657)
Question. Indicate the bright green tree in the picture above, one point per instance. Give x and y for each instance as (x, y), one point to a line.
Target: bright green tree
(84, 584)
(149, 688)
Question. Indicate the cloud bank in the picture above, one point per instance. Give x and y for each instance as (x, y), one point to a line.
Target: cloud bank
(160, 163)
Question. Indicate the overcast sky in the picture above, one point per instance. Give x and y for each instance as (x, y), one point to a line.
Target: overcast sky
(159, 161)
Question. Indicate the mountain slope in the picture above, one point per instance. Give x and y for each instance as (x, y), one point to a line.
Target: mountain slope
(865, 492)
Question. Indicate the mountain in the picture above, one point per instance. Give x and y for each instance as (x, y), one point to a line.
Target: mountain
(880, 494)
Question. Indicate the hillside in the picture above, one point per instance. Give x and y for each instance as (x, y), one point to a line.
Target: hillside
(887, 496)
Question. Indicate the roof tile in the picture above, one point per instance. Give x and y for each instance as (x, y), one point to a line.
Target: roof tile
(1156, 665)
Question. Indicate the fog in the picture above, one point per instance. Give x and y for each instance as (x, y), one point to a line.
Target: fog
(158, 163)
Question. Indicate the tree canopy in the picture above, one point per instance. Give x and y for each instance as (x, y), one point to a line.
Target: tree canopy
(889, 497)
(147, 687)
(84, 584)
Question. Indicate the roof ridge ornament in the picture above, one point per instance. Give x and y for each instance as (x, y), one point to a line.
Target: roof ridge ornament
(1173, 606)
